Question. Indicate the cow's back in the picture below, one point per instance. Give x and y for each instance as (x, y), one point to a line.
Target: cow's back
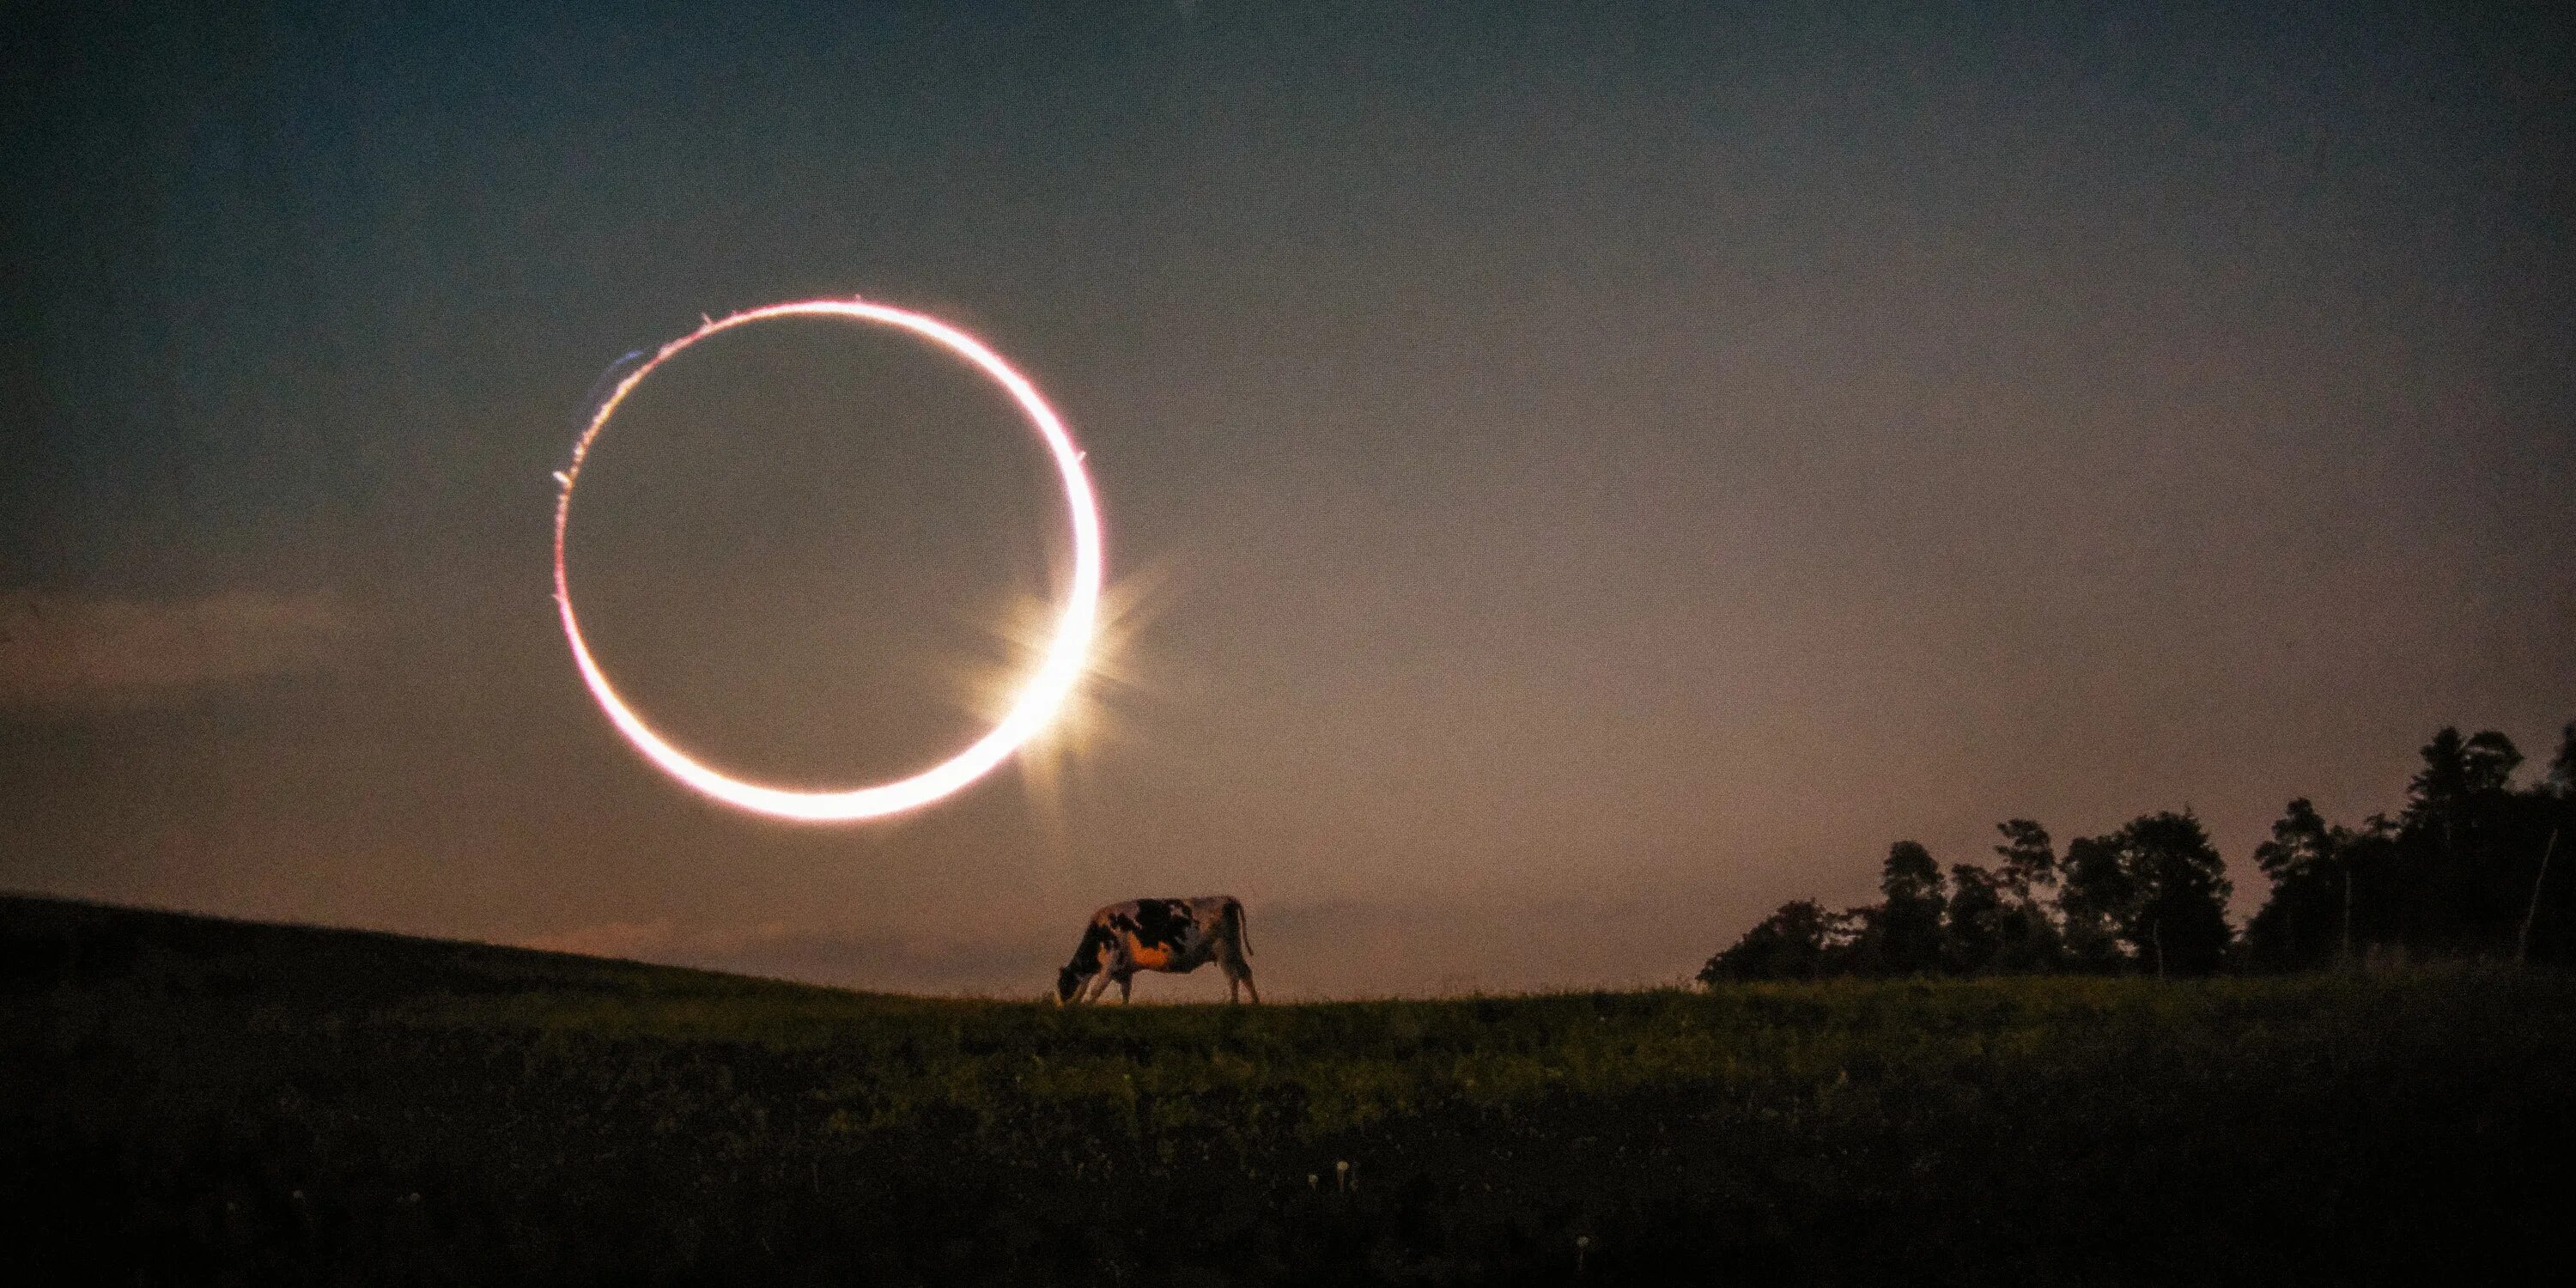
(1167, 934)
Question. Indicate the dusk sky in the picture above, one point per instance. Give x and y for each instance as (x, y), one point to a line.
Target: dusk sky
(1576, 476)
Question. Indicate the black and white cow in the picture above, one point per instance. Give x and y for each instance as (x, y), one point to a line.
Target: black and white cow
(1176, 936)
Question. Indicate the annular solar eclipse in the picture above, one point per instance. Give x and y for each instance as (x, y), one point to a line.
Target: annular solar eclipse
(1037, 701)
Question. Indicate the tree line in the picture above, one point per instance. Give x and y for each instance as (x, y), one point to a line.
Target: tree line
(2462, 871)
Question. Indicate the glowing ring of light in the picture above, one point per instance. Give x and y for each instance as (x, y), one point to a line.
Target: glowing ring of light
(1055, 677)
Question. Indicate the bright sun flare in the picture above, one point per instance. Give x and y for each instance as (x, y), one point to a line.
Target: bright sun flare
(1044, 693)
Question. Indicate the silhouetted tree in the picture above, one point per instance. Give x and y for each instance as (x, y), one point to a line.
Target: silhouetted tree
(2471, 865)
(2380, 906)
(1797, 942)
(2457, 773)
(2176, 922)
(1973, 921)
(1864, 950)
(1908, 929)
(2029, 858)
(2030, 940)
(2463, 860)
(2461, 871)
(2559, 808)
(2093, 902)
(2307, 921)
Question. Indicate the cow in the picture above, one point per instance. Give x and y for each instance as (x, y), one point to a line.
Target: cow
(1175, 936)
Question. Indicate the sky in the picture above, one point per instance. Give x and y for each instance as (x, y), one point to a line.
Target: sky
(1576, 477)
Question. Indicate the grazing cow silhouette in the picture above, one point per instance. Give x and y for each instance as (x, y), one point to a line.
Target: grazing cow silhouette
(1175, 936)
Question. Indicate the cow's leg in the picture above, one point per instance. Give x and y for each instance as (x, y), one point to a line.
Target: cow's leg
(1099, 985)
(1126, 983)
(1238, 973)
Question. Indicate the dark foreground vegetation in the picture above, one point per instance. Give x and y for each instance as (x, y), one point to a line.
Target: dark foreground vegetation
(185, 1100)
(2461, 873)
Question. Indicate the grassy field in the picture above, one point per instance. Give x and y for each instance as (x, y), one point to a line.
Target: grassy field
(185, 1100)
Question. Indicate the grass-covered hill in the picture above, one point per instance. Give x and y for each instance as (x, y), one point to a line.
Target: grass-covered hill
(186, 1100)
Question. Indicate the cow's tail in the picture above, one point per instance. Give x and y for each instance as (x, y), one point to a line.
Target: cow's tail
(1242, 925)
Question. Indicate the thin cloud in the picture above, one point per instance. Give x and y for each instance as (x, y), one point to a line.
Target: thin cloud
(67, 651)
(1454, 945)
(632, 940)
(1303, 950)
(879, 962)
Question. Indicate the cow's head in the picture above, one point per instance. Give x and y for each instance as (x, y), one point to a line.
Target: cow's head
(1068, 982)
